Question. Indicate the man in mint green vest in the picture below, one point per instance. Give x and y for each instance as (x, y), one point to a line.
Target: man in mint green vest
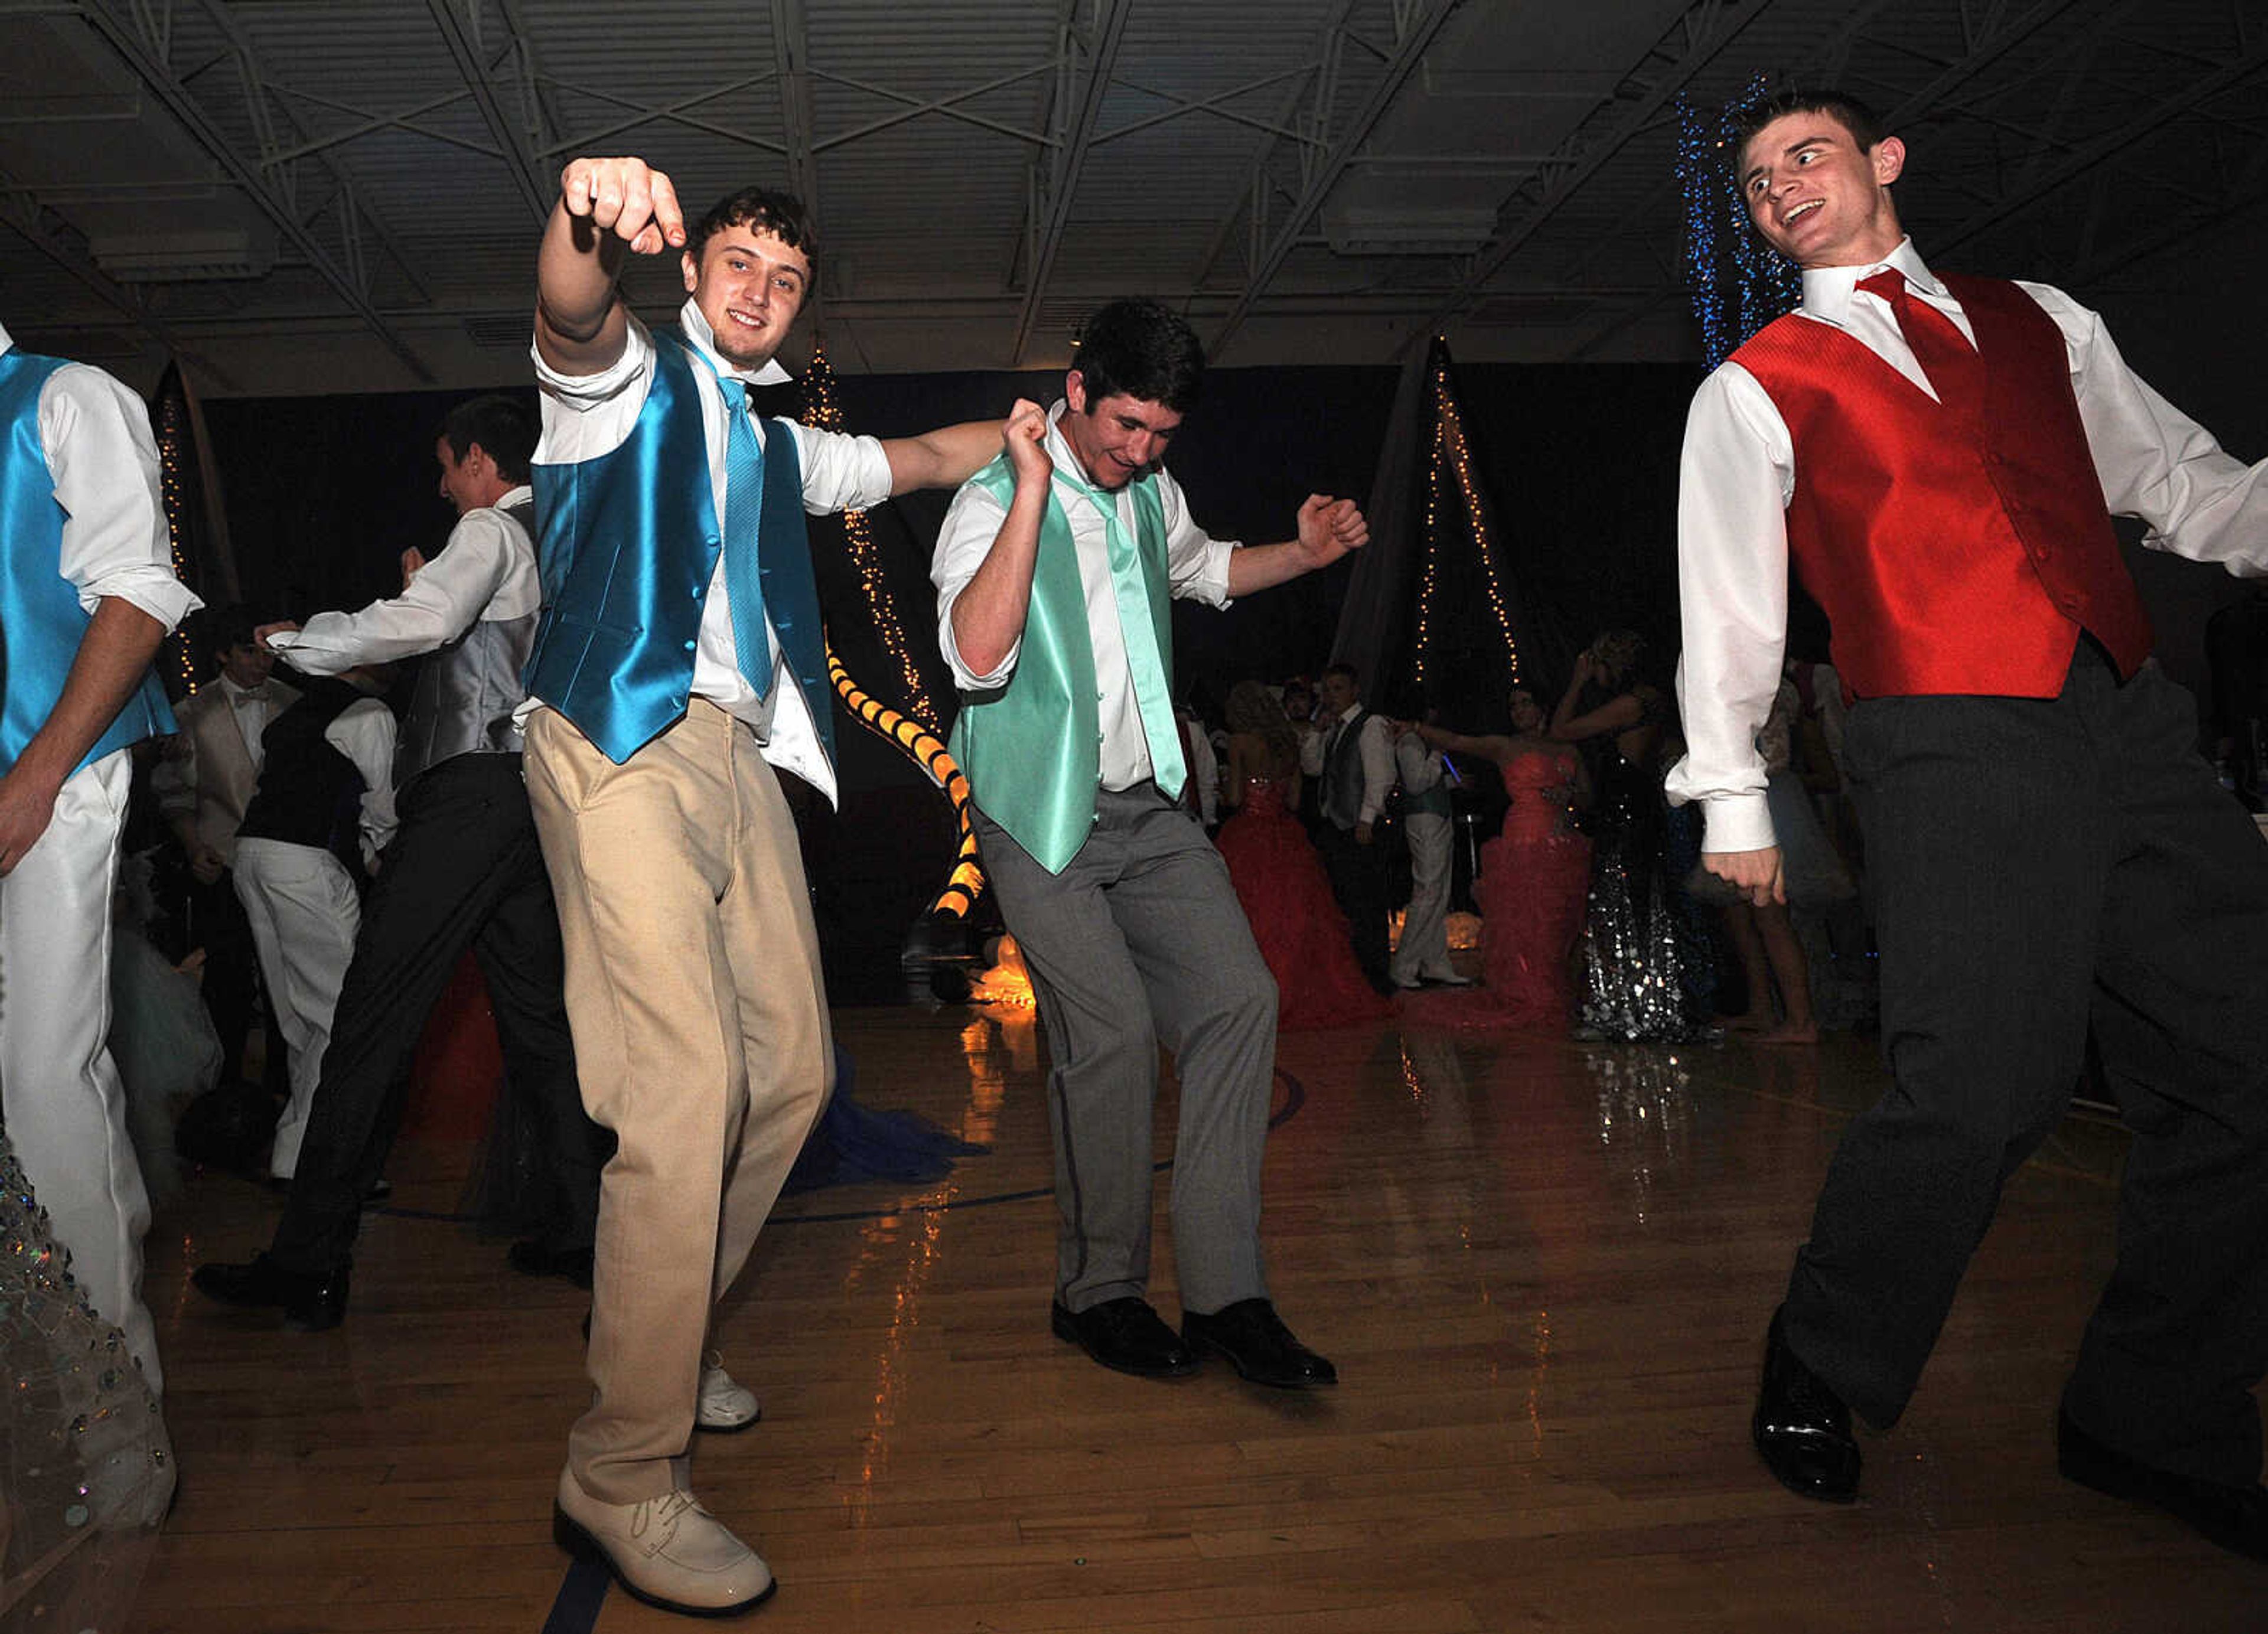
(87, 591)
(1055, 574)
(678, 664)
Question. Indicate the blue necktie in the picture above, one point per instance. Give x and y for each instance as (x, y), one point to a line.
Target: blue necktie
(1145, 664)
(744, 496)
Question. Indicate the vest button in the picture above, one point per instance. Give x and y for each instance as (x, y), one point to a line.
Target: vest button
(691, 645)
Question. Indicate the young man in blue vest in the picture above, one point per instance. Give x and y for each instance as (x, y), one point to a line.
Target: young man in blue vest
(2051, 858)
(86, 593)
(1055, 573)
(678, 662)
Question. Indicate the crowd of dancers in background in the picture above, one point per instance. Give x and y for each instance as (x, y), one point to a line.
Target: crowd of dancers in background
(1341, 825)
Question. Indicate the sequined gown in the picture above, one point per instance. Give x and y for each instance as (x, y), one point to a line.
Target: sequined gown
(1295, 919)
(1635, 942)
(1533, 879)
(85, 1470)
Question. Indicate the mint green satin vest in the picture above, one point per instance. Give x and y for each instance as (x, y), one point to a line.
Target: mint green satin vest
(1032, 750)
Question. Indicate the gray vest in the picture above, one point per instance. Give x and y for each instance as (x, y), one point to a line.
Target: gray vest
(468, 690)
(1343, 774)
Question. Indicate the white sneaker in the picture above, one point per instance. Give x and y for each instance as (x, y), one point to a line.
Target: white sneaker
(667, 1551)
(725, 1405)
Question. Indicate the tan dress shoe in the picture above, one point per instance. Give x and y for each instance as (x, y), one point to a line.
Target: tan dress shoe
(725, 1406)
(667, 1551)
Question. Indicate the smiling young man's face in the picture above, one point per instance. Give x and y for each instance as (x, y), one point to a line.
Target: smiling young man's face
(1816, 196)
(1117, 438)
(749, 286)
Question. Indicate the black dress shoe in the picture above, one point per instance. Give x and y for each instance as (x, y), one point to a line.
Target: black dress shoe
(532, 1256)
(1255, 1341)
(1802, 1428)
(2234, 1517)
(310, 1304)
(1126, 1335)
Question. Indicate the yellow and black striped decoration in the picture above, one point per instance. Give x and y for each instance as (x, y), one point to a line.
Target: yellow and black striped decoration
(921, 747)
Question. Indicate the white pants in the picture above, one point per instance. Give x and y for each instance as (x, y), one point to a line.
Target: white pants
(1424, 951)
(304, 914)
(59, 1095)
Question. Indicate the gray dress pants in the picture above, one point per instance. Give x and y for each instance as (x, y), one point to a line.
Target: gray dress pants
(1139, 941)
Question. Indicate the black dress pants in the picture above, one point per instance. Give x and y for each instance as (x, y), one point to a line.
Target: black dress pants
(1358, 876)
(2043, 868)
(465, 870)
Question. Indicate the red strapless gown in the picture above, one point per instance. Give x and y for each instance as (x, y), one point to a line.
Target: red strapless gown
(1287, 899)
(1534, 877)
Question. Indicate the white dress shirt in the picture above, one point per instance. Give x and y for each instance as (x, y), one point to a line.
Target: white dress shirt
(1197, 567)
(485, 572)
(95, 433)
(1419, 765)
(1375, 746)
(364, 731)
(586, 415)
(1738, 474)
(250, 711)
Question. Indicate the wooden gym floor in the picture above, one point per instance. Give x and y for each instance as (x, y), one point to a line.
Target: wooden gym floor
(1543, 1269)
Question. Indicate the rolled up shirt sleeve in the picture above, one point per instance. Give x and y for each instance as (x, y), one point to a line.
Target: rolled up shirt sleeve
(972, 522)
(117, 543)
(1734, 478)
(1197, 563)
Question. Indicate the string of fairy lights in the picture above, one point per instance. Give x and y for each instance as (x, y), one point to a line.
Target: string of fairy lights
(1739, 283)
(1451, 460)
(173, 452)
(821, 409)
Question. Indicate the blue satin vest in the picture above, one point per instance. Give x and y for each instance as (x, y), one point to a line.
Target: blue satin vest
(41, 623)
(627, 543)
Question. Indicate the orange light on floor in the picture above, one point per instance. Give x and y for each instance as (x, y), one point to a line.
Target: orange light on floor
(1007, 982)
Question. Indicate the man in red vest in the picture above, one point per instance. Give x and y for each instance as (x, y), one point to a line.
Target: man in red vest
(1940, 456)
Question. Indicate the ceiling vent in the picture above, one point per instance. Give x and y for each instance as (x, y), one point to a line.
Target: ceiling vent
(185, 256)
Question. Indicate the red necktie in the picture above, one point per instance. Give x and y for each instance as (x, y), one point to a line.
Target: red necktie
(1956, 372)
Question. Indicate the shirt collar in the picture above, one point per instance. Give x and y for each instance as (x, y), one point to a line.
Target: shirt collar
(513, 497)
(1353, 710)
(7, 340)
(1065, 456)
(697, 330)
(1827, 289)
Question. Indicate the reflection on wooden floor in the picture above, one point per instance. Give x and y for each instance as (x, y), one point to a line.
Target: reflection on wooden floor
(1543, 1269)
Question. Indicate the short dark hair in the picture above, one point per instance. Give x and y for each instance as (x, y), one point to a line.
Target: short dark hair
(232, 626)
(1141, 348)
(499, 424)
(760, 209)
(1346, 669)
(1864, 124)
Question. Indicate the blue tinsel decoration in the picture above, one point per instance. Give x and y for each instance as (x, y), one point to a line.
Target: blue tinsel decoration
(1739, 283)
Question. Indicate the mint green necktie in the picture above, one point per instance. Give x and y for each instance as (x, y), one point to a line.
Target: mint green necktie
(1144, 665)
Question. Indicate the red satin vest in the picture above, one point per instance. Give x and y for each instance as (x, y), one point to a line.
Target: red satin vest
(1952, 554)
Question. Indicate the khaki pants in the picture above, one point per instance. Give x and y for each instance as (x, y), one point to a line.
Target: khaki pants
(701, 1039)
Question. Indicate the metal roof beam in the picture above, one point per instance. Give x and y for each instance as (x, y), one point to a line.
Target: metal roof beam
(23, 215)
(791, 63)
(1074, 129)
(1707, 29)
(2081, 159)
(669, 114)
(917, 107)
(460, 29)
(141, 42)
(1419, 26)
